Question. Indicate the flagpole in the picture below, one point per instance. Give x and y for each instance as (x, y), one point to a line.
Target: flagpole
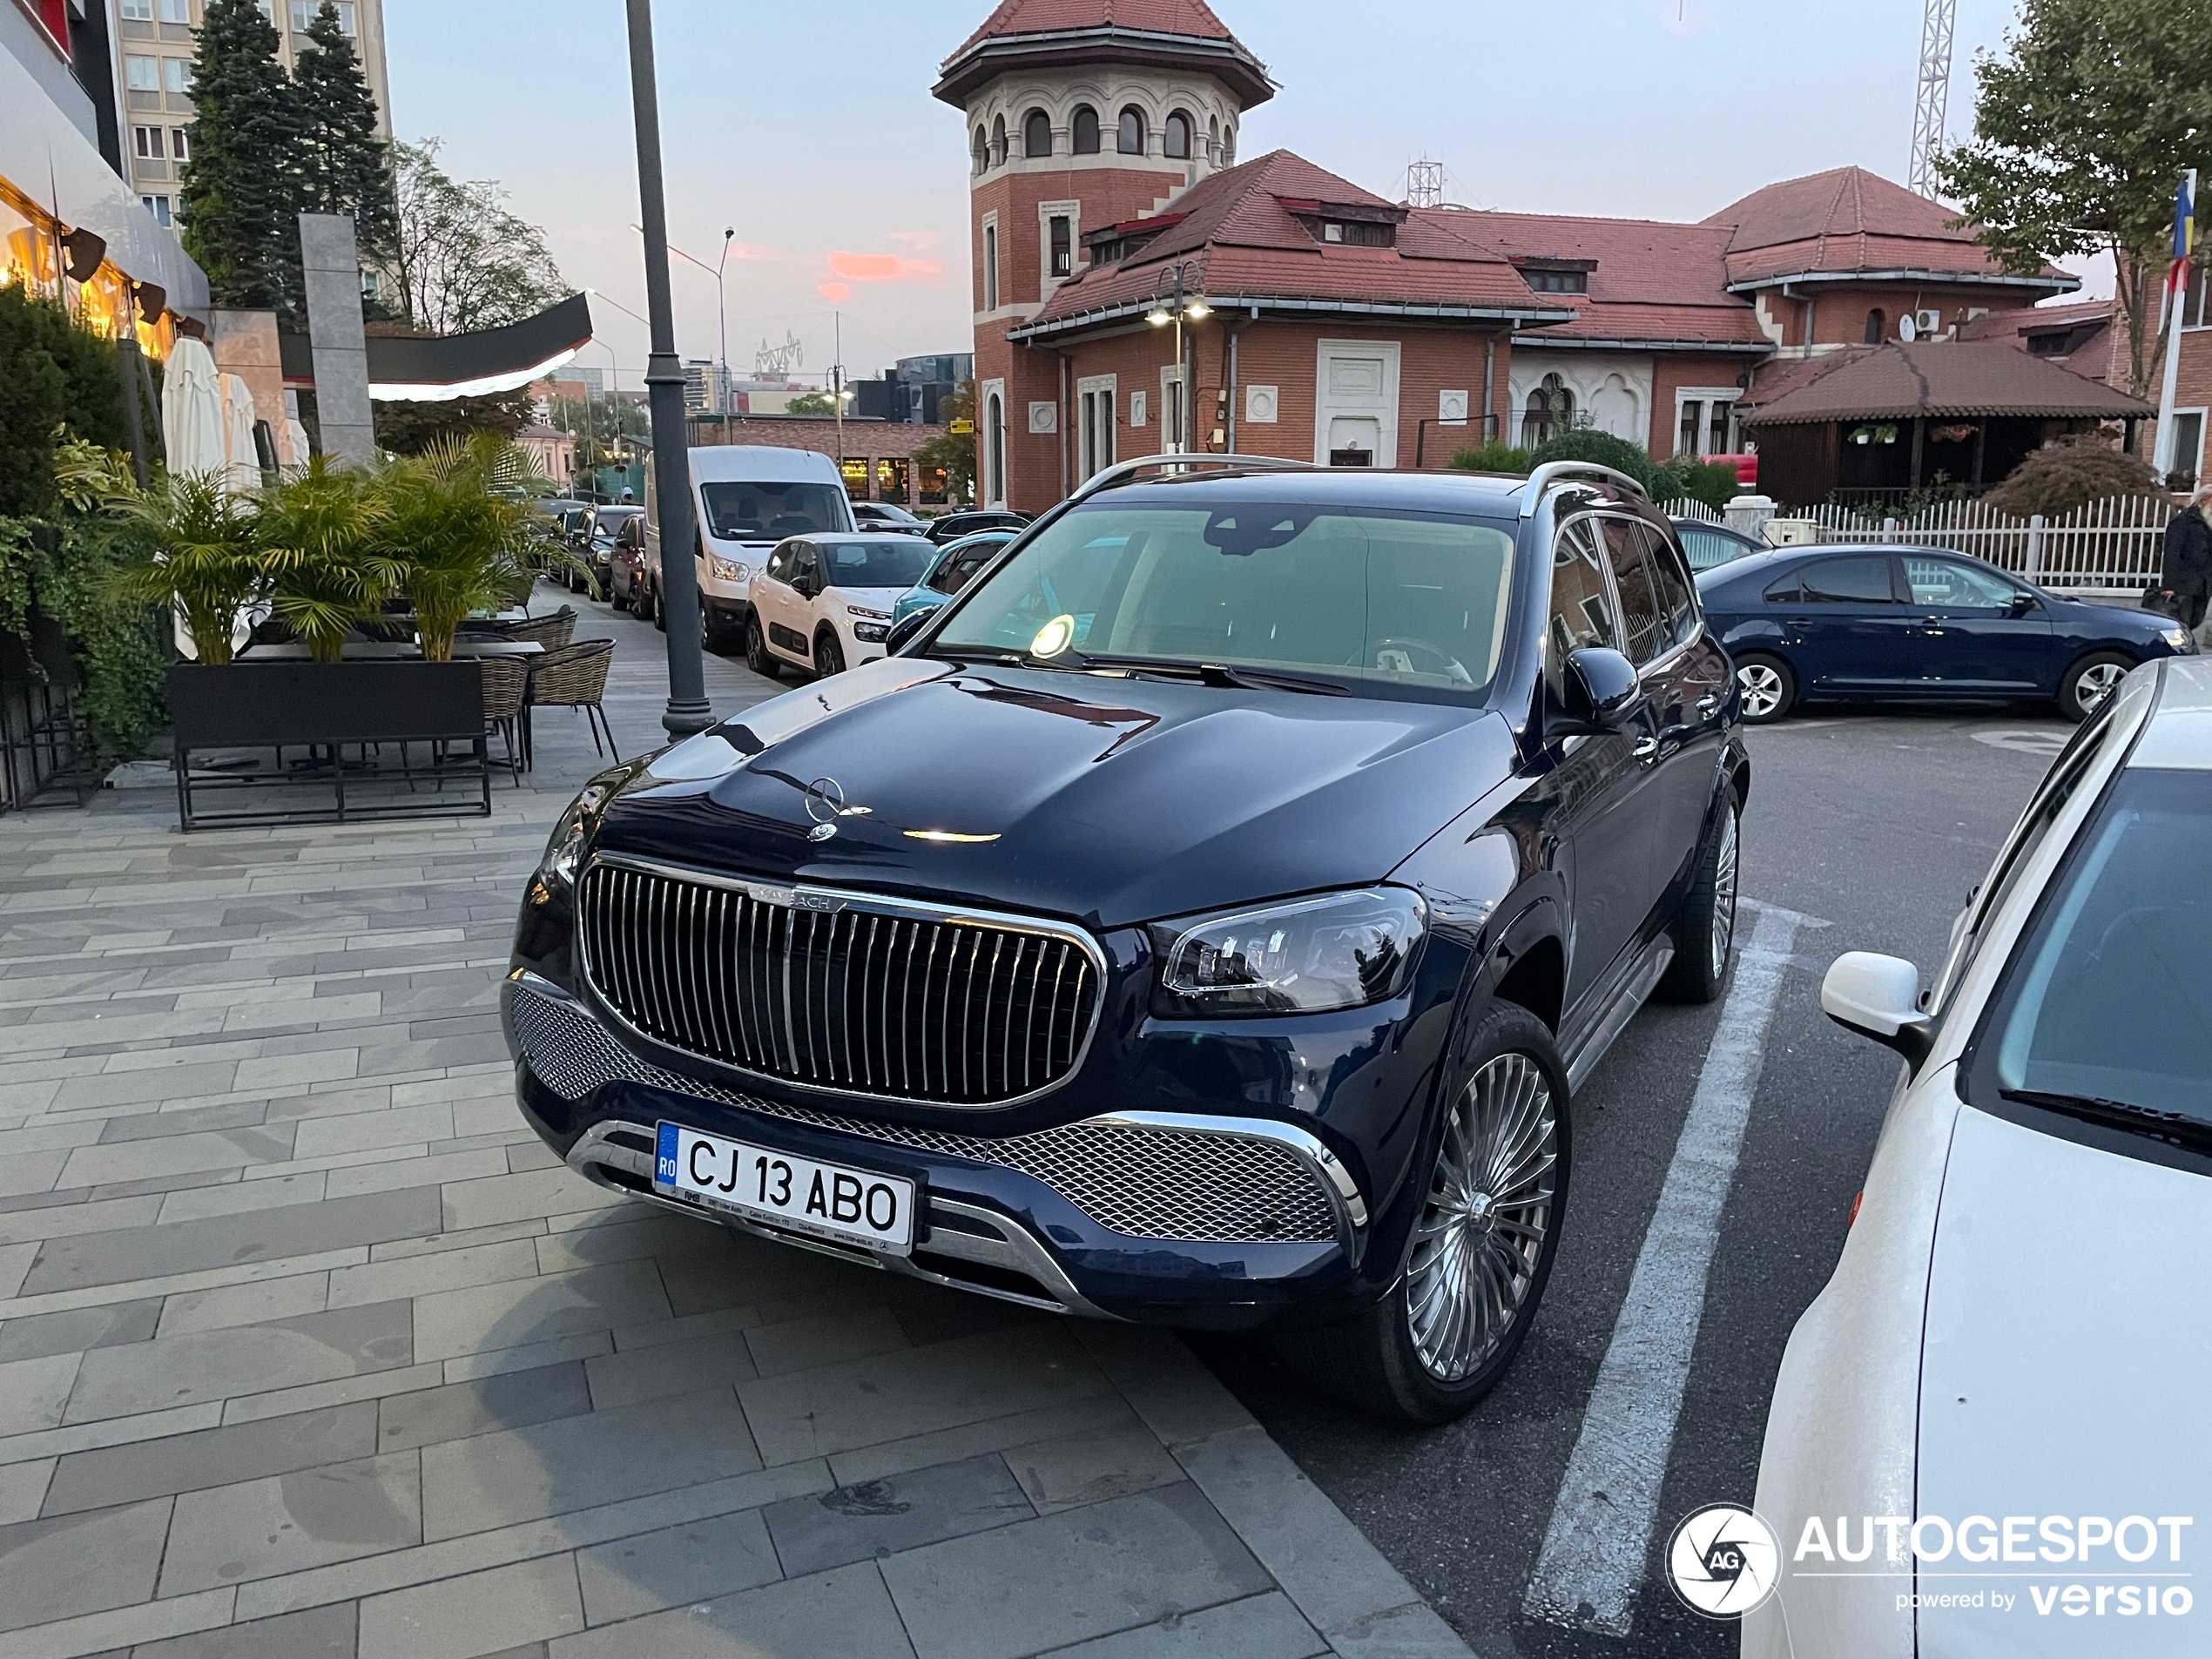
(2176, 309)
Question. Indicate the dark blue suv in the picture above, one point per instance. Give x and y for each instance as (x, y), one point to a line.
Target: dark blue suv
(1203, 918)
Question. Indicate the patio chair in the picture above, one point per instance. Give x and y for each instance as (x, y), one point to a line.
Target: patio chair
(506, 681)
(553, 633)
(575, 677)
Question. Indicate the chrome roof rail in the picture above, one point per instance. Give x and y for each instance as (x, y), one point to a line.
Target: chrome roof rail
(1123, 472)
(1553, 471)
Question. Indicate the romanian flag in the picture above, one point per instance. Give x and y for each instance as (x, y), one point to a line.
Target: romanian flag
(2184, 238)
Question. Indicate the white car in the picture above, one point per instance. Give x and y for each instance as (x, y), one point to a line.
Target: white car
(746, 497)
(1989, 1436)
(824, 601)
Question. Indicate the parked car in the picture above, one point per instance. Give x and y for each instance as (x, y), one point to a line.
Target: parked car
(1184, 917)
(886, 516)
(591, 539)
(1711, 545)
(950, 527)
(626, 567)
(745, 498)
(822, 601)
(1966, 1361)
(952, 567)
(1920, 622)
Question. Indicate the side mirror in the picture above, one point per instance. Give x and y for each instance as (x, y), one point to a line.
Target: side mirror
(1879, 997)
(1601, 690)
(2023, 602)
(905, 629)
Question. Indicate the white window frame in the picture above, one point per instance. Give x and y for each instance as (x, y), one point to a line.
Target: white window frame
(132, 72)
(991, 434)
(1175, 439)
(1097, 399)
(180, 144)
(175, 11)
(1047, 211)
(136, 10)
(988, 253)
(1705, 397)
(147, 143)
(2194, 465)
(176, 75)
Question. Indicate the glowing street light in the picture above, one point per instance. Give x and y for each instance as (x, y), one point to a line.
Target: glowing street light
(1181, 309)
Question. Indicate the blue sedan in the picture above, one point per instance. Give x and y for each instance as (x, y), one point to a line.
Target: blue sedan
(1876, 623)
(955, 564)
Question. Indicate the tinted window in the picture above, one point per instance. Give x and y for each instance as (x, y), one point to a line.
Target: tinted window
(754, 511)
(894, 562)
(1670, 584)
(1581, 611)
(1955, 586)
(1848, 582)
(1647, 628)
(1710, 547)
(1784, 590)
(2111, 996)
(1367, 598)
(779, 565)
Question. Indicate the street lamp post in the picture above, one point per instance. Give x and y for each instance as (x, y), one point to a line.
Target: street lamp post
(687, 711)
(1197, 310)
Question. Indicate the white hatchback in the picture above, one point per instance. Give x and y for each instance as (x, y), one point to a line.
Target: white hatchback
(1988, 1433)
(824, 601)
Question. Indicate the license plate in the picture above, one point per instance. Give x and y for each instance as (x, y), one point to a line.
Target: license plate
(852, 1206)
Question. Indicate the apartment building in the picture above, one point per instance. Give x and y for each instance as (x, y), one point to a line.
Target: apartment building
(154, 43)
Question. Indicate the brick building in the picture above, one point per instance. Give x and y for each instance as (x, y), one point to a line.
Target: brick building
(1332, 324)
(877, 458)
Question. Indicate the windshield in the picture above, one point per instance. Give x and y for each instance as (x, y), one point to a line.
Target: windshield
(764, 510)
(894, 562)
(2113, 987)
(1359, 595)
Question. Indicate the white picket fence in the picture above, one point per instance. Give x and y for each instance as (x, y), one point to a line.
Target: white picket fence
(1688, 507)
(2111, 546)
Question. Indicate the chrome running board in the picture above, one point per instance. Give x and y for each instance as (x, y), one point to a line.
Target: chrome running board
(1642, 980)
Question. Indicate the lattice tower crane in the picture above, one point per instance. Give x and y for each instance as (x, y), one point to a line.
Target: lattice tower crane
(1932, 103)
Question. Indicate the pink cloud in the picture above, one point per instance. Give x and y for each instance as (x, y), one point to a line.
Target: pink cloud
(883, 267)
(836, 293)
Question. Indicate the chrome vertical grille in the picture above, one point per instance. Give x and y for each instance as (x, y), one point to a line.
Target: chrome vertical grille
(867, 997)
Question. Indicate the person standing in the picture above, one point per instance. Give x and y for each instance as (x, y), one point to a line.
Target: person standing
(2186, 574)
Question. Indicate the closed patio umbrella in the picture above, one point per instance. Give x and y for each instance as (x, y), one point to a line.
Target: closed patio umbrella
(241, 462)
(191, 409)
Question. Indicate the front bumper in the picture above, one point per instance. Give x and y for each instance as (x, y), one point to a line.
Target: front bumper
(1157, 1218)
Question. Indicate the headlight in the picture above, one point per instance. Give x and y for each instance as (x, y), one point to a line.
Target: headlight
(1335, 952)
(571, 837)
(871, 633)
(863, 611)
(728, 569)
(2180, 639)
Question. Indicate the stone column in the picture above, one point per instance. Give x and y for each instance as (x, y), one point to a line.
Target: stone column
(245, 344)
(331, 261)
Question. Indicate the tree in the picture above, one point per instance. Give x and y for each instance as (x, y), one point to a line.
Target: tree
(955, 452)
(2082, 130)
(465, 261)
(1588, 443)
(811, 403)
(238, 190)
(2069, 474)
(409, 428)
(343, 167)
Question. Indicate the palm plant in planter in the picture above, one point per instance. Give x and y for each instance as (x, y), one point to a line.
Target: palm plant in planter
(202, 557)
(455, 525)
(319, 531)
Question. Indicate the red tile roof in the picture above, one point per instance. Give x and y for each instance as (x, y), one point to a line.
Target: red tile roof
(2086, 324)
(1245, 244)
(1653, 281)
(1192, 17)
(1938, 379)
(1848, 220)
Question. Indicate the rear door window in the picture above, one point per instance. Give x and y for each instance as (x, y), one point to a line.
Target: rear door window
(1671, 586)
(1582, 609)
(1947, 584)
(1864, 580)
(1645, 625)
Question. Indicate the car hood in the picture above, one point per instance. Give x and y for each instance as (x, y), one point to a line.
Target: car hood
(1102, 799)
(2067, 1372)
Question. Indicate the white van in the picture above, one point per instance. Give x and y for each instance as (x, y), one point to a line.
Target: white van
(746, 497)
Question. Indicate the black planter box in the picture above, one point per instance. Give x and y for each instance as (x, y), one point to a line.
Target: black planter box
(374, 739)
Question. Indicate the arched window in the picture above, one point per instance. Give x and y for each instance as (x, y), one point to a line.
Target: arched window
(982, 152)
(1229, 146)
(1213, 140)
(1550, 411)
(1175, 138)
(994, 458)
(1036, 135)
(1085, 130)
(1130, 138)
(1875, 323)
(998, 141)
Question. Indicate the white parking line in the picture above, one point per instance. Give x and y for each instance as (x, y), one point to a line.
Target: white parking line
(1595, 1548)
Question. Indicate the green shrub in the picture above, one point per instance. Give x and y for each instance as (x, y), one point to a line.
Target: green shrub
(1496, 455)
(1713, 483)
(54, 373)
(2070, 474)
(1588, 443)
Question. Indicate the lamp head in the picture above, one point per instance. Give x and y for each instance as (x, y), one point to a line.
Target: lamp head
(1198, 311)
(1159, 316)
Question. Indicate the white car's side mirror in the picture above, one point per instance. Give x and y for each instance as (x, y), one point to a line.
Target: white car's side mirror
(1879, 997)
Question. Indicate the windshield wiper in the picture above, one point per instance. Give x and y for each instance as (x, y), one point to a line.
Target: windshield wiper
(1220, 674)
(2120, 1114)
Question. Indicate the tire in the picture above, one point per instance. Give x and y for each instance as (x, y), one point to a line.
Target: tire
(660, 607)
(616, 599)
(2090, 680)
(1705, 930)
(829, 655)
(1421, 1354)
(757, 657)
(1765, 687)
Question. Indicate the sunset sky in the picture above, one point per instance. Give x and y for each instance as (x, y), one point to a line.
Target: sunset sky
(810, 130)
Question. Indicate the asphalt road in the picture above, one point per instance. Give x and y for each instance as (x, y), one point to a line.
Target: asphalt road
(1874, 825)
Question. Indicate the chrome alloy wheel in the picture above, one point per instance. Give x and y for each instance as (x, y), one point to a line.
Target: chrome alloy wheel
(1724, 894)
(2096, 683)
(1481, 1233)
(1762, 688)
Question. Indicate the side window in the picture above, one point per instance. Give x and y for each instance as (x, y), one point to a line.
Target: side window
(1958, 587)
(1670, 586)
(1641, 620)
(1786, 590)
(1708, 548)
(778, 566)
(1862, 581)
(1581, 611)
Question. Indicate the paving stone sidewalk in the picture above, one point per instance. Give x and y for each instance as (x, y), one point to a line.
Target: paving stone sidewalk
(308, 1348)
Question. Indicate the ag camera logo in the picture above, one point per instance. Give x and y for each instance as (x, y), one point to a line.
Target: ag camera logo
(1724, 1560)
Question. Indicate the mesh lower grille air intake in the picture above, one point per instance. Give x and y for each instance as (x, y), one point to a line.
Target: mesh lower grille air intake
(1140, 1180)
